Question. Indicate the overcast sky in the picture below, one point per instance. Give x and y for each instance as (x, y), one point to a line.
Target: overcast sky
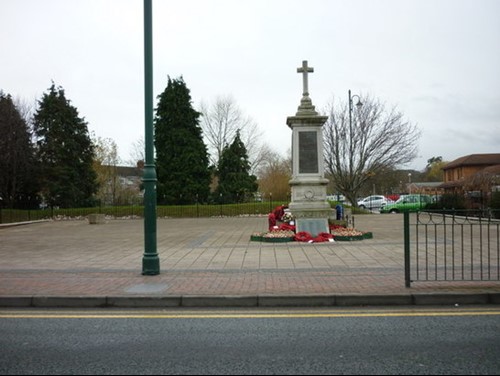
(438, 61)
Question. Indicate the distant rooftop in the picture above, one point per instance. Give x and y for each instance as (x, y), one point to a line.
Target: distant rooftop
(475, 160)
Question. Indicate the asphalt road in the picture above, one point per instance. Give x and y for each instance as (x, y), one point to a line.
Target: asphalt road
(455, 340)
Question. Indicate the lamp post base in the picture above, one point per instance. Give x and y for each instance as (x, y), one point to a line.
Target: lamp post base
(150, 265)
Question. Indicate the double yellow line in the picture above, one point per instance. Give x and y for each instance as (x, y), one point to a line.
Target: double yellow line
(245, 314)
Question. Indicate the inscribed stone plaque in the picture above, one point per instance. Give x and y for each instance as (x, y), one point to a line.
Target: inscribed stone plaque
(308, 153)
(312, 226)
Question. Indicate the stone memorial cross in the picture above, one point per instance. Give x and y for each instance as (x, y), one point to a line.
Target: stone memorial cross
(305, 70)
(308, 184)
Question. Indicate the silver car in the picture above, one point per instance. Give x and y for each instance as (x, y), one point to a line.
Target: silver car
(373, 202)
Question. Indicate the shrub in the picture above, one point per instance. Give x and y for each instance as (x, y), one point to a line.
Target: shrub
(495, 204)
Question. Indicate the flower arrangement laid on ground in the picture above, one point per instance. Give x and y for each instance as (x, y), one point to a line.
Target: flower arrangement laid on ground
(288, 218)
(346, 232)
(322, 237)
(286, 231)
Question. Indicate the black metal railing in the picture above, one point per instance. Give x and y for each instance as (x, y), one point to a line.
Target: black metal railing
(452, 246)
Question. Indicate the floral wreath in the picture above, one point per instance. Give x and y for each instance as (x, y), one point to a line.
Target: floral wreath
(306, 237)
(303, 236)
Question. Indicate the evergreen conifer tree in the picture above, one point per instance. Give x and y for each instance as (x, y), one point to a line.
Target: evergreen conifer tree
(65, 152)
(18, 173)
(236, 184)
(181, 155)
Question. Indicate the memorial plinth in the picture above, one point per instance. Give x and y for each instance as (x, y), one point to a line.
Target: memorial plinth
(308, 183)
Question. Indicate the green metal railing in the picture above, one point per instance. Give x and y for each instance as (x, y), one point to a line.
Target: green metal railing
(452, 246)
(196, 210)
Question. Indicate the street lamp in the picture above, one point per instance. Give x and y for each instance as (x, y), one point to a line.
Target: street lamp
(409, 182)
(150, 260)
(358, 105)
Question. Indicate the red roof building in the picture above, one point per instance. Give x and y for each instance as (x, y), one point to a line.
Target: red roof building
(475, 172)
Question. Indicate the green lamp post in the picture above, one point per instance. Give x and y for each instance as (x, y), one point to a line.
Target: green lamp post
(150, 260)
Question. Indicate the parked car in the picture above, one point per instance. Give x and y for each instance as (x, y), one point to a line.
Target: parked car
(408, 203)
(373, 202)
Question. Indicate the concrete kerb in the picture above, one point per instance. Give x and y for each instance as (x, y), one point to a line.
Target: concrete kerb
(219, 301)
(297, 301)
(143, 302)
(68, 302)
(351, 300)
(14, 224)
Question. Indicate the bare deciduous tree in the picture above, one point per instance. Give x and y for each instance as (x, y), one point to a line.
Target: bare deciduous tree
(105, 164)
(484, 180)
(137, 153)
(274, 175)
(220, 122)
(375, 139)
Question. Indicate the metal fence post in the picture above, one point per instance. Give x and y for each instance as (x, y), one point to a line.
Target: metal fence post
(406, 224)
(197, 206)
